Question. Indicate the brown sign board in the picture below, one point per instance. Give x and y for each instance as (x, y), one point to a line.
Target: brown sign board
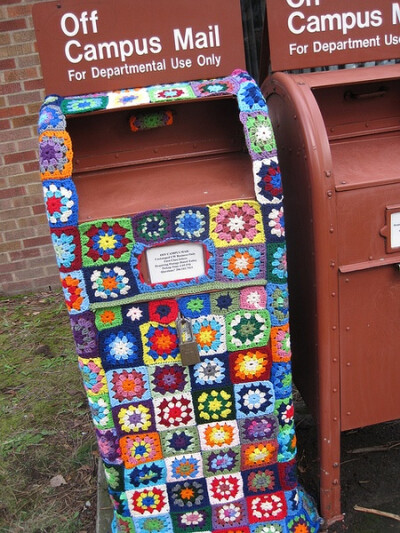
(317, 33)
(100, 45)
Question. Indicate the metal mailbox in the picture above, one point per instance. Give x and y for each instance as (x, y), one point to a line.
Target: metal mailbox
(167, 299)
(338, 139)
(165, 210)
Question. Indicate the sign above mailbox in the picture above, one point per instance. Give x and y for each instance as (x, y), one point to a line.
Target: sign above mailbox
(98, 45)
(317, 33)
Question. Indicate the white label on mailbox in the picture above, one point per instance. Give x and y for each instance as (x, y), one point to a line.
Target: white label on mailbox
(175, 261)
(395, 230)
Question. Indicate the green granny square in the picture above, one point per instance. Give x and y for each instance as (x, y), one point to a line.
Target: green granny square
(115, 476)
(214, 405)
(106, 241)
(178, 441)
(222, 461)
(224, 302)
(276, 262)
(247, 329)
(108, 317)
(100, 409)
(192, 520)
(174, 91)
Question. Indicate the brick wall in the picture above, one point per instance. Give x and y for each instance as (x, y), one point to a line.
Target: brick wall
(27, 259)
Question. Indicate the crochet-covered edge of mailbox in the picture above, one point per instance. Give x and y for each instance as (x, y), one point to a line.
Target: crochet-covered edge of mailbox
(248, 485)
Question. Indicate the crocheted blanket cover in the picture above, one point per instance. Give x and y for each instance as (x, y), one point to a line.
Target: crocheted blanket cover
(208, 447)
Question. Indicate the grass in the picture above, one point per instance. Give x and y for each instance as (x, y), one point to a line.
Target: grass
(45, 426)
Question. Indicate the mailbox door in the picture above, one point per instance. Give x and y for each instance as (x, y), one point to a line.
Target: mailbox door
(369, 296)
(369, 346)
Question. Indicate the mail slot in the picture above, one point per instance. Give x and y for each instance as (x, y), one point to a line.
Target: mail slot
(338, 138)
(158, 165)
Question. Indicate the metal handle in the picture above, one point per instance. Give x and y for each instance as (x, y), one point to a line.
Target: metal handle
(350, 95)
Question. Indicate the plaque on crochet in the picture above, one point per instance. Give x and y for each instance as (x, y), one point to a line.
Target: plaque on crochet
(175, 262)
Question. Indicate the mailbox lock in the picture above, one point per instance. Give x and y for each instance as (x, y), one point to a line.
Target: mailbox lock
(187, 341)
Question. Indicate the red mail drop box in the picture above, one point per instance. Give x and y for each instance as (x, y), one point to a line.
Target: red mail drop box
(338, 138)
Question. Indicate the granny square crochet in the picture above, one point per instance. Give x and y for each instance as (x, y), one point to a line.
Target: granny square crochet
(250, 365)
(214, 87)
(120, 347)
(223, 461)
(61, 202)
(268, 181)
(189, 223)
(250, 98)
(259, 135)
(187, 466)
(106, 241)
(74, 289)
(224, 302)
(242, 263)
(179, 441)
(210, 371)
(85, 334)
(77, 104)
(67, 248)
(128, 385)
(168, 379)
(146, 475)
(196, 520)
(167, 93)
(127, 98)
(237, 223)
(210, 446)
(108, 317)
(51, 118)
(258, 428)
(55, 155)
